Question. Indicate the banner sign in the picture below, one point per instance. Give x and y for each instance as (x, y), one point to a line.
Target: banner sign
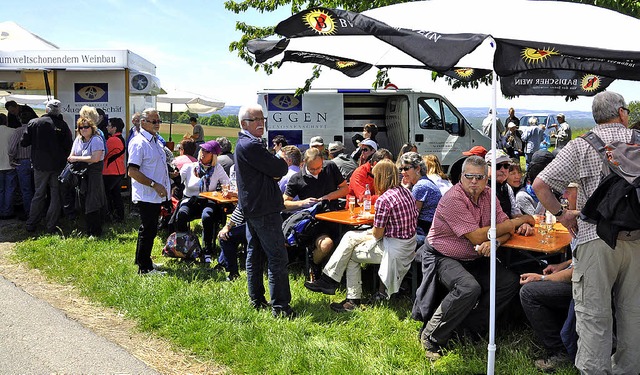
(553, 82)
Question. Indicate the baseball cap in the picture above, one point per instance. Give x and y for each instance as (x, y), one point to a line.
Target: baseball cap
(316, 141)
(53, 103)
(476, 150)
(511, 125)
(501, 157)
(212, 147)
(560, 115)
(370, 143)
(336, 146)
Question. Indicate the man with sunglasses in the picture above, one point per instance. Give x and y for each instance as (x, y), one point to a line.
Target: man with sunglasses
(458, 242)
(504, 191)
(261, 201)
(150, 185)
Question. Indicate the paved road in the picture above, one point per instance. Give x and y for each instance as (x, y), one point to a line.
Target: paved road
(36, 338)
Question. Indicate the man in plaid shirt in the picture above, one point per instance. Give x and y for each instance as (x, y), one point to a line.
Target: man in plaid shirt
(601, 274)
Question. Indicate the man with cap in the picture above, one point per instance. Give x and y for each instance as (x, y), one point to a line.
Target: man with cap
(318, 142)
(197, 177)
(344, 162)
(563, 131)
(476, 150)
(504, 193)
(50, 139)
(454, 171)
(150, 185)
(513, 141)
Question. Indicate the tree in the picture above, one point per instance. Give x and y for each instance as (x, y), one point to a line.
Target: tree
(231, 121)
(628, 7)
(216, 120)
(634, 116)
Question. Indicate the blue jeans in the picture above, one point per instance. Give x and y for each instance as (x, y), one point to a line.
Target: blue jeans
(266, 241)
(211, 216)
(229, 254)
(25, 180)
(7, 188)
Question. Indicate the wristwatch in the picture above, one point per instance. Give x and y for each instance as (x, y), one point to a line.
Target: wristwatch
(559, 213)
(543, 277)
(152, 184)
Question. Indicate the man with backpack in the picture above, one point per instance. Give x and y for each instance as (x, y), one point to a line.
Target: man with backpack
(602, 274)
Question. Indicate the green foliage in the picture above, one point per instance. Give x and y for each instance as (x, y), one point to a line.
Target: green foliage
(634, 116)
(231, 121)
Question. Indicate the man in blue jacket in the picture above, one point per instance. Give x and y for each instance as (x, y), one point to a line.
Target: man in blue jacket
(261, 201)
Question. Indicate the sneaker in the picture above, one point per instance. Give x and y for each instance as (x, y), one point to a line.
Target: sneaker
(153, 272)
(233, 276)
(283, 312)
(552, 362)
(207, 259)
(345, 306)
(324, 284)
(378, 298)
(432, 350)
(259, 305)
(158, 266)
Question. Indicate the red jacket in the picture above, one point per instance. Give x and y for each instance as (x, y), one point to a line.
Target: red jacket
(115, 146)
(359, 180)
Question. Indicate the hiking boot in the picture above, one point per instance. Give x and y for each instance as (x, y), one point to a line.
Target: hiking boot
(259, 305)
(432, 350)
(345, 306)
(552, 362)
(324, 284)
(283, 312)
(233, 276)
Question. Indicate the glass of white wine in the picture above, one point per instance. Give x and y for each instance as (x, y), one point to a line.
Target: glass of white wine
(352, 207)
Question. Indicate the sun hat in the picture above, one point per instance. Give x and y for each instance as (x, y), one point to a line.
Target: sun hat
(316, 141)
(212, 147)
(501, 157)
(370, 143)
(336, 146)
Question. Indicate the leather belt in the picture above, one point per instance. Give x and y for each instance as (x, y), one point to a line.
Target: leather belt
(629, 235)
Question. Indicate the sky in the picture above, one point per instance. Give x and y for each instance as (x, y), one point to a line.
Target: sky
(188, 41)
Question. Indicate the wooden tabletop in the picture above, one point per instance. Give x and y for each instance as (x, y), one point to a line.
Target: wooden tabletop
(217, 197)
(344, 217)
(561, 238)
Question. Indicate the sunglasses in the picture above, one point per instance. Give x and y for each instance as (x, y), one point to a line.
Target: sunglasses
(154, 122)
(367, 149)
(626, 110)
(504, 165)
(83, 127)
(404, 169)
(471, 176)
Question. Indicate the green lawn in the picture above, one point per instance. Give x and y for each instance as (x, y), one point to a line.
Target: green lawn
(195, 308)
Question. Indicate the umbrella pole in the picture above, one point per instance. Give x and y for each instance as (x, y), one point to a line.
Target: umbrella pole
(170, 120)
(491, 347)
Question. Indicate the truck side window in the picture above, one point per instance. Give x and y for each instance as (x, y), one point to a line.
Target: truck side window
(430, 114)
(451, 121)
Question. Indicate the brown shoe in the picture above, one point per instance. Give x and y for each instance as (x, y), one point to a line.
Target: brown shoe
(551, 363)
(346, 305)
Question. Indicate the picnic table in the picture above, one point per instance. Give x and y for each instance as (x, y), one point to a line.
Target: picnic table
(216, 196)
(532, 248)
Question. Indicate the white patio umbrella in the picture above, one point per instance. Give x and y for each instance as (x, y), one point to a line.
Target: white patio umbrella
(441, 35)
(182, 101)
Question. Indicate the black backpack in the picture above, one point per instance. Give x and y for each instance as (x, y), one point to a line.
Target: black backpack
(298, 229)
(615, 204)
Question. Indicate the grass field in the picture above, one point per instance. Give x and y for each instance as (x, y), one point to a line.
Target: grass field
(210, 132)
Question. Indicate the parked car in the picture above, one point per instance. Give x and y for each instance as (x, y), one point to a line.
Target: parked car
(543, 118)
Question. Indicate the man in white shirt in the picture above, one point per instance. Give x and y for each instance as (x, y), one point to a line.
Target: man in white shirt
(488, 121)
(150, 185)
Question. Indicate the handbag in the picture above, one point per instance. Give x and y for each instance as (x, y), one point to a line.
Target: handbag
(72, 172)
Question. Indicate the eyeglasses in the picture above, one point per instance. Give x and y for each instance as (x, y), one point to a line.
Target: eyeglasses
(626, 110)
(83, 127)
(404, 169)
(255, 119)
(471, 176)
(504, 165)
(154, 122)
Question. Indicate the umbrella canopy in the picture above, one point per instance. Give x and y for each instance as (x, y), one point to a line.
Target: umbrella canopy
(444, 35)
(182, 101)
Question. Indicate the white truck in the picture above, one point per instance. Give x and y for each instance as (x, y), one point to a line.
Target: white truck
(427, 120)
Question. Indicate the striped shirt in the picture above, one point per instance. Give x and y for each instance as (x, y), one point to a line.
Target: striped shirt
(396, 212)
(581, 163)
(17, 152)
(457, 215)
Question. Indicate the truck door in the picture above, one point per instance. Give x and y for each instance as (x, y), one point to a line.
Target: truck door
(440, 130)
(397, 122)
